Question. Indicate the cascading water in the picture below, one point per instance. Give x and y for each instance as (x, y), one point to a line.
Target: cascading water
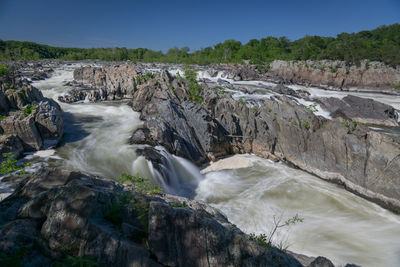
(96, 140)
(338, 224)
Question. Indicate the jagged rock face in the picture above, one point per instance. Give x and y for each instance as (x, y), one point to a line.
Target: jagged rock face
(58, 214)
(117, 80)
(361, 110)
(336, 74)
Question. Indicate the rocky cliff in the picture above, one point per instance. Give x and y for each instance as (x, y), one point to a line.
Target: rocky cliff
(364, 161)
(58, 217)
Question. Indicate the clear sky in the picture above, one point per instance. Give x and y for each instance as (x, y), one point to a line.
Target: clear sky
(159, 25)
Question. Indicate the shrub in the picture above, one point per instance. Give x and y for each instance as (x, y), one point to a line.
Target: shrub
(305, 124)
(10, 164)
(142, 185)
(29, 109)
(4, 70)
(266, 240)
(194, 88)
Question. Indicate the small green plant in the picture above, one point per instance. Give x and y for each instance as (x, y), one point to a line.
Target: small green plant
(267, 240)
(148, 76)
(397, 85)
(177, 204)
(81, 261)
(351, 125)
(10, 164)
(305, 124)
(255, 109)
(142, 185)
(313, 107)
(139, 79)
(260, 239)
(278, 126)
(241, 101)
(263, 68)
(29, 109)
(2, 117)
(4, 70)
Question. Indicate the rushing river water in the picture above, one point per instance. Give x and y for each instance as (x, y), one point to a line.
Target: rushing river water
(337, 224)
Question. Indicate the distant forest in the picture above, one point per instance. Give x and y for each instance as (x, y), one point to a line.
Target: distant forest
(381, 44)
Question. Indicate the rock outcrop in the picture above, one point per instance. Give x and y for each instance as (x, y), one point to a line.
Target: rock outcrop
(28, 119)
(54, 215)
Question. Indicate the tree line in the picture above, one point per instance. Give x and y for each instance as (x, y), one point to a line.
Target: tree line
(381, 44)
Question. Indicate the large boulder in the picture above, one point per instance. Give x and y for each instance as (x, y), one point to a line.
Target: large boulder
(25, 129)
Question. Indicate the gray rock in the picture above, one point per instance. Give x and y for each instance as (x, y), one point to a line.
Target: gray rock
(361, 110)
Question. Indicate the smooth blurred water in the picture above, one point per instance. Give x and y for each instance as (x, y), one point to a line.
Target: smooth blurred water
(337, 224)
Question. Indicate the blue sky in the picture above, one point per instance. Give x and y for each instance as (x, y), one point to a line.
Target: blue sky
(160, 25)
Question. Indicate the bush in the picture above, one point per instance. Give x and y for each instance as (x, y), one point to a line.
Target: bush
(142, 185)
(29, 109)
(305, 124)
(267, 240)
(10, 164)
(4, 70)
(194, 88)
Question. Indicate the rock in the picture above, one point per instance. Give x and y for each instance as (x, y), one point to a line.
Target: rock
(10, 143)
(321, 262)
(49, 122)
(30, 119)
(72, 96)
(25, 129)
(58, 214)
(362, 110)
(39, 75)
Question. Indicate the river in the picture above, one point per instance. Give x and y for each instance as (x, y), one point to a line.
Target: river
(337, 224)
